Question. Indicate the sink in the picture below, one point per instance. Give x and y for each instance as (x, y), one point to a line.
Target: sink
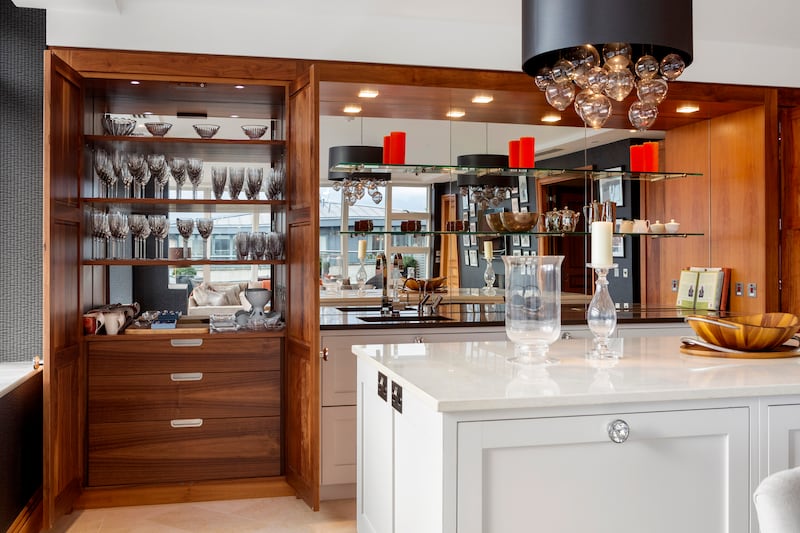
(368, 309)
(404, 318)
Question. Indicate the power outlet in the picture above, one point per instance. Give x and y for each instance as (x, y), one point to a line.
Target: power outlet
(739, 288)
(624, 272)
(674, 285)
(397, 397)
(751, 290)
(383, 386)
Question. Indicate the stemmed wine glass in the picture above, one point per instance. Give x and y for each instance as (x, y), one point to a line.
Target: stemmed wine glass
(160, 229)
(219, 175)
(277, 182)
(242, 243)
(119, 162)
(177, 167)
(100, 234)
(275, 245)
(255, 178)
(258, 244)
(194, 167)
(157, 164)
(140, 229)
(204, 228)
(235, 181)
(118, 224)
(105, 170)
(185, 227)
(140, 172)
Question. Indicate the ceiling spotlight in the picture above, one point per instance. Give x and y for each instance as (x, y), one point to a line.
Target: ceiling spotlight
(482, 99)
(234, 116)
(367, 93)
(455, 113)
(688, 108)
(551, 117)
(352, 108)
(238, 86)
(135, 82)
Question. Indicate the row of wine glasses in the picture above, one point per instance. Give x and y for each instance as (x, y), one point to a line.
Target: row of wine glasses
(186, 227)
(249, 179)
(258, 245)
(126, 174)
(110, 233)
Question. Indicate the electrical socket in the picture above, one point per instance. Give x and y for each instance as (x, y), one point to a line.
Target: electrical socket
(751, 290)
(624, 272)
(739, 288)
(674, 285)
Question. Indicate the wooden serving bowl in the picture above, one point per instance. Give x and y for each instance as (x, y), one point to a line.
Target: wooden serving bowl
(518, 222)
(426, 285)
(752, 333)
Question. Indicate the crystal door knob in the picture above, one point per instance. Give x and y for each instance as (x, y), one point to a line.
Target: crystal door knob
(618, 431)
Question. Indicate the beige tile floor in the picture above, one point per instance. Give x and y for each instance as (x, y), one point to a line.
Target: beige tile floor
(273, 515)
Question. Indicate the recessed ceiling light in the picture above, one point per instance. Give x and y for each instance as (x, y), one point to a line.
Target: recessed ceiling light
(352, 108)
(135, 82)
(147, 113)
(551, 117)
(234, 116)
(482, 99)
(688, 108)
(455, 113)
(368, 93)
(238, 86)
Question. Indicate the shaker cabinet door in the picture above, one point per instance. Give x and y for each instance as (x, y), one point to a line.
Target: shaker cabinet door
(783, 448)
(682, 471)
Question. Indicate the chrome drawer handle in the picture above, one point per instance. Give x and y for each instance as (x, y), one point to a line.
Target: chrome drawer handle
(186, 376)
(186, 422)
(186, 342)
(619, 431)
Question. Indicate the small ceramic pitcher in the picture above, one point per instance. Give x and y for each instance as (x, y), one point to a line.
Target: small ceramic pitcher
(641, 226)
(113, 321)
(626, 226)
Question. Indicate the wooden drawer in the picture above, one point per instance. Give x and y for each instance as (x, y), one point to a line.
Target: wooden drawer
(132, 398)
(124, 453)
(202, 354)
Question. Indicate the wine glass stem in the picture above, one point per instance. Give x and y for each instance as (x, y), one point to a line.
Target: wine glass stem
(185, 248)
(205, 248)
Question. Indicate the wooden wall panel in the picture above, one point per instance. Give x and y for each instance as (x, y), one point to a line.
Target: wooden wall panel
(790, 212)
(302, 373)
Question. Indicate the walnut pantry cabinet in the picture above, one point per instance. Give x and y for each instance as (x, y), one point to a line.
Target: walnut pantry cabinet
(135, 420)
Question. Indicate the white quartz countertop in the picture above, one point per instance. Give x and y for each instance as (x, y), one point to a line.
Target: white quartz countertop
(469, 376)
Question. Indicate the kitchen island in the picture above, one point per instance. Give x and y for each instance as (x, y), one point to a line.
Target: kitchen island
(455, 438)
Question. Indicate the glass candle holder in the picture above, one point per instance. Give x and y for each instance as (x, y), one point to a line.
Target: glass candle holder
(601, 315)
(488, 279)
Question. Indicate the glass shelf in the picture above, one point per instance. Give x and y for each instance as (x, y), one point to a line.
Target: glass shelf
(240, 150)
(455, 170)
(174, 205)
(181, 262)
(501, 233)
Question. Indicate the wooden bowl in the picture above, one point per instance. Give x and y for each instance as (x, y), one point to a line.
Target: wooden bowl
(426, 285)
(494, 222)
(752, 333)
(518, 222)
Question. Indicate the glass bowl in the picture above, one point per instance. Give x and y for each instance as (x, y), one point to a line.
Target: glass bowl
(157, 129)
(206, 131)
(518, 222)
(254, 131)
(118, 125)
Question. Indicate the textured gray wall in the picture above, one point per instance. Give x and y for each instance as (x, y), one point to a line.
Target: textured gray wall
(22, 41)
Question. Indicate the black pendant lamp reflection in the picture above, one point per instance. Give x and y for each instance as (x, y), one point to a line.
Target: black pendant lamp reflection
(590, 52)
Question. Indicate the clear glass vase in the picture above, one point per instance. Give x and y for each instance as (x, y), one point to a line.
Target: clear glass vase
(601, 315)
(361, 278)
(488, 278)
(533, 305)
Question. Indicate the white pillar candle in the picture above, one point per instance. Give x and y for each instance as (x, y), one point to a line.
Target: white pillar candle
(601, 243)
(362, 250)
(487, 250)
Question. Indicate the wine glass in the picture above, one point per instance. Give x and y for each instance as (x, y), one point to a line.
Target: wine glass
(204, 228)
(105, 170)
(255, 178)
(219, 175)
(258, 244)
(533, 305)
(118, 225)
(194, 168)
(241, 242)
(235, 181)
(100, 234)
(119, 163)
(185, 227)
(140, 172)
(137, 224)
(277, 182)
(160, 229)
(157, 164)
(177, 167)
(275, 246)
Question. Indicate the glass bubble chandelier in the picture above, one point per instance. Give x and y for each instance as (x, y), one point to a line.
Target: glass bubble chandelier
(590, 53)
(355, 187)
(484, 183)
(355, 184)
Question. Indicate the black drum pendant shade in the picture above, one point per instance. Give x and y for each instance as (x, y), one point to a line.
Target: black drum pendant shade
(655, 27)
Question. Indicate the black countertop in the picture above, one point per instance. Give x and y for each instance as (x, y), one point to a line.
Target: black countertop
(472, 315)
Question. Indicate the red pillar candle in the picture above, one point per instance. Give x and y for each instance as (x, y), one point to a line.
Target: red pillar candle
(387, 149)
(637, 158)
(397, 144)
(527, 157)
(651, 156)
(513, 154)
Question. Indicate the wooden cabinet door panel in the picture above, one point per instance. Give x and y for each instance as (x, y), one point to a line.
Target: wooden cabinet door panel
(157, 356)
(129, 398)
(123, 453)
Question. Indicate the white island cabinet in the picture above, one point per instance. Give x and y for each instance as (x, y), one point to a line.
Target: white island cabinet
(474, 443)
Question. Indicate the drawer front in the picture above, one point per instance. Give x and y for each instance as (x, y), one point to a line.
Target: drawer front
(125, 453)
(132, 398)
(155, 356)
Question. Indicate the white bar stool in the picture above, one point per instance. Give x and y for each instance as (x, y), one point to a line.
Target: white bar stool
(777, 501)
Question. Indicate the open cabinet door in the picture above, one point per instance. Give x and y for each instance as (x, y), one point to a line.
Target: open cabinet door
(65, 368)
(302, 376)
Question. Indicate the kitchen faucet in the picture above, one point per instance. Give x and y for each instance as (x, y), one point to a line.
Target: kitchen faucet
(380, 262)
